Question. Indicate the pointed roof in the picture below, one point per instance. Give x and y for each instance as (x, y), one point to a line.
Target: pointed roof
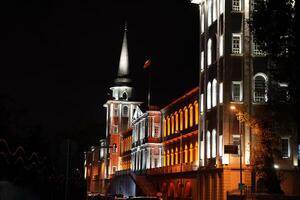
(123, 71)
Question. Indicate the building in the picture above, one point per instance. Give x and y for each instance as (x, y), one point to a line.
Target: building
(146, 145)
(126, 145)
(119, 111)
(232, 72)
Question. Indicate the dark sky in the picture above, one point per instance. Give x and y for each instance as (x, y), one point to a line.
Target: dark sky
(59, 57)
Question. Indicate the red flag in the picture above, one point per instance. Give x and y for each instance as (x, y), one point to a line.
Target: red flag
(147, 64)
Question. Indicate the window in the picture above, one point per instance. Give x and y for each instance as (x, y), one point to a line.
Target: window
(221, 92)
(186, 118)
(172, 157)
(260, 88)
(285, 148)
(114, 169)
(209, 12)
(196, 113)
(156, 130)
(236, 44)
(236, 141)
(181, 119)
(214, 143)
(256, 51)
(208, 144)
(115, 129)
(116, 112)
(220, 145)
(191, 153)
(176, 121)
(221, 46)
(168, 127)
(202, 20)
(237, 91)
(214, 93)
(125, 111)
(186, 154)
(202, 150)
(221, 6)
(215, 10)
(165, 128)
(202, 61)
(236, 5)
(209, 52)
(172, 124)
(115, 148)
(201, 103)
(191, 115)
(208, 95)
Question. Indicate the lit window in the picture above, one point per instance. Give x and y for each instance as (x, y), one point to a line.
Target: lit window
(209, 12)
(260, 88)
(237, 91)
(214, 93)
(201, 103)
(176, 121)
(221, 93)
(191, 153)
(202, 150)
(202, 22)
(236, 44)
(186, 118)
(221, 6)
(168, 158)
(214, 144)
(116, 112)
(125, 111)
(168, 121)
(236, 5)
(185, 154)
(208, 144)
(176, 156)
(156, 130)
(165, 128)
(208, 95)
(285, 148)
(221, 47)
(220, 145)
(196, 151)
(236, 141)
(256, 51)
(215, 10)
(172, 124)
(209, 52)
(191, 115)
(202, 61)
(196, 113)
(172, 157)
(181, 119)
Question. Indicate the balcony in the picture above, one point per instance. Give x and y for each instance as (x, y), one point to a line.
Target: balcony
(185, 167)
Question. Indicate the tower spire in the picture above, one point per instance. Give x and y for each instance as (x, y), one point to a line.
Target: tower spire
(123, 70)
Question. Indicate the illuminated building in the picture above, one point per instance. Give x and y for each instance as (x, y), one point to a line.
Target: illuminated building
(126, 144)
(146, 152)
(119, 111)
(232, 72)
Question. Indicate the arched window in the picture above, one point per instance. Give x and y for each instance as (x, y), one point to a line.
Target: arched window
(191, 115)
(172, 157)
(260, 88)
(214, 93)
(196, 151)
(186, 154)
(165, 128)
(168, 121)
(125, 111)
(176, 121)
(172, 124)
(209, 52)
(191, 153)
(196, 112)
(176, 156)
(181, 119)
(208, 144)
(208, 95)
(186, 122)
(214, 143)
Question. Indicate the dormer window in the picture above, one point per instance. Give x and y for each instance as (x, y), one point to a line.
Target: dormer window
(125, 95)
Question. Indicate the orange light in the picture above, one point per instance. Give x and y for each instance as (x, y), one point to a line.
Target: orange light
(233, 108)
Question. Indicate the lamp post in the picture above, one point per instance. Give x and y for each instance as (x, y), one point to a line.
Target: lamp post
(234, 109)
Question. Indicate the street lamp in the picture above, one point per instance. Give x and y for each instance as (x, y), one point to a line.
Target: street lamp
(234, 109)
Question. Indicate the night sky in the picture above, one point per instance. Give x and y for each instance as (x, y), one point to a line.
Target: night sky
(59, 58)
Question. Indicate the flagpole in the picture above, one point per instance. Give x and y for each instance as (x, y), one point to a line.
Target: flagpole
(149, 87)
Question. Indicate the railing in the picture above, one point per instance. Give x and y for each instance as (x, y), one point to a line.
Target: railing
(185, 167)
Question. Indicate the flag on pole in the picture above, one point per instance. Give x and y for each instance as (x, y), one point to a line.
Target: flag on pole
(147, 64)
